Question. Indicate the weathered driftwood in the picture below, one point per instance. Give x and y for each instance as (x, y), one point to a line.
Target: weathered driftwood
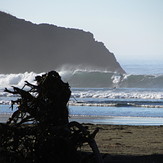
(39, 130)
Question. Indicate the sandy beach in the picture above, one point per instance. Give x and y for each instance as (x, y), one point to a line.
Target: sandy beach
(124, 139)
(124, 144)
(130, 141)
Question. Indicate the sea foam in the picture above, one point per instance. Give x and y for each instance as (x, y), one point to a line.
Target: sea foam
(89, 79)
(7, 80)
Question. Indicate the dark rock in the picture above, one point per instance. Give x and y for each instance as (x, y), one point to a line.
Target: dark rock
(25, 46)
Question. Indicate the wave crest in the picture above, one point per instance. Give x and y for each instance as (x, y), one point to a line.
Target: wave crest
(7, 80)
(89, 79)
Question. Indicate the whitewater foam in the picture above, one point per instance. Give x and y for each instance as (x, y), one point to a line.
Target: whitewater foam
(118, 93)
(89, 79)
(8, 80)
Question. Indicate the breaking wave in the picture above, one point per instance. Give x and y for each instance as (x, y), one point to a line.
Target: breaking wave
(8, 80)
(120, 93)
(101, 79)
(90, 79)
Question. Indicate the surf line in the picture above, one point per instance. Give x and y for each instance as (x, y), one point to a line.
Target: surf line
(76, 99)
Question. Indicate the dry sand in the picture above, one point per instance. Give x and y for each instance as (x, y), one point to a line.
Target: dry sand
(120, 143)
(129, 140)
(139, 142)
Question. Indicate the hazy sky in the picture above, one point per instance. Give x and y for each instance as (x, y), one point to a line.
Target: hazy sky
(131, 29)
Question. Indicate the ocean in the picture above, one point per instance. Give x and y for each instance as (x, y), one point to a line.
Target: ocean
(101, 97)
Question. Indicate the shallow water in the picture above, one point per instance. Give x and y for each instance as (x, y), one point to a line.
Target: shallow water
(117, 115)
(106, 115)
(118, 120)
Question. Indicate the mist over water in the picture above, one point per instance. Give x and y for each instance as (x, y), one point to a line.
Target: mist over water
(138, 83)
(138, 76)
(90, 79)
(143, 75)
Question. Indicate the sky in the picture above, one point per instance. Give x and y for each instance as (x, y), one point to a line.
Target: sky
(131, 29)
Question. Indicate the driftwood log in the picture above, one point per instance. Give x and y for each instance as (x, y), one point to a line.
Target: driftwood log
(39, 130)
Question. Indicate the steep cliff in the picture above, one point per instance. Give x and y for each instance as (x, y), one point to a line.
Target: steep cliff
(25, 46)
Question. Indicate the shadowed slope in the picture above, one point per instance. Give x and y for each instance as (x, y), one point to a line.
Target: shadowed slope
(25, 46)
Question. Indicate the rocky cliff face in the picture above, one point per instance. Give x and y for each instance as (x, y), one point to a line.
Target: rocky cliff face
(25, 46)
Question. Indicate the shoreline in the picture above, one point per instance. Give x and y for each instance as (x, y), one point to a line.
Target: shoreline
(118, 120)
(106, 120)
(124, 139)
(127, 143)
